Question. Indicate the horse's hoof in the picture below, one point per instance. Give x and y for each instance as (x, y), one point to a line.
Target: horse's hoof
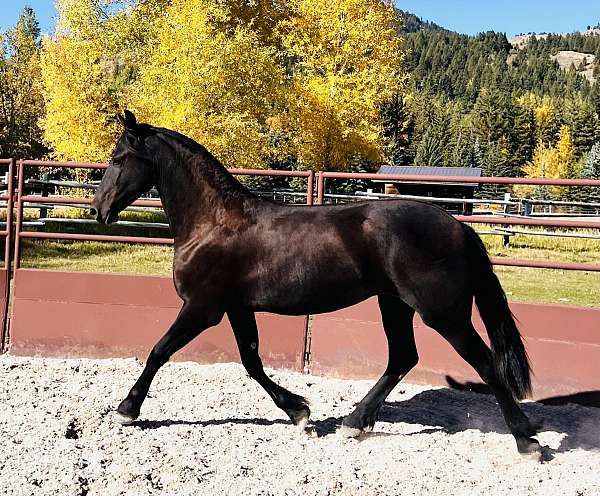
(123, 419)
(348, 432)
(310, 431)
(530, 449)
(304, 428)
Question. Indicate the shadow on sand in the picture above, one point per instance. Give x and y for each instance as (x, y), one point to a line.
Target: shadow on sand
(471, 406)
(459, 408)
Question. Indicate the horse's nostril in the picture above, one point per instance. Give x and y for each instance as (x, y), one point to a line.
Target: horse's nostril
(93, 212)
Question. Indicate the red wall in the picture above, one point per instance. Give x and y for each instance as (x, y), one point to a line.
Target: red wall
(71, 314)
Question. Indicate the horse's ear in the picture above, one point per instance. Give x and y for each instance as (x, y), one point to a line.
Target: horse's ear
(129, 121)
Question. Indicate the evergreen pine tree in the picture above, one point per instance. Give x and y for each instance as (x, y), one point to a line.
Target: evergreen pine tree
(430, 152)
(522, 139)
(583, 121)
(491, 116)
(399, 128)
(591, 170)
(21, 101)
(494, 163)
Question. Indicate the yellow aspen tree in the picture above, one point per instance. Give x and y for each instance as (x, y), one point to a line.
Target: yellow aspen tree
(554, 162)
(85, 67)
(254, 81)
(544, 164)
(545, 120)
(345, 64)
(545, 114)
(261, 16)
(223, 88)
(568, 165)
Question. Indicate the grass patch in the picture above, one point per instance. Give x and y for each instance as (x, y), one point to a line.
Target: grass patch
(535, 247)
(566, 287)
(89, 256)
(546, 285)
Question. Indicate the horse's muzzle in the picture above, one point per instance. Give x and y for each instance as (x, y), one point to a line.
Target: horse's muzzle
(96, 213)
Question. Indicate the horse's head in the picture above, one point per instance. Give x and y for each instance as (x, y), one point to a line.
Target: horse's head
(129, 174)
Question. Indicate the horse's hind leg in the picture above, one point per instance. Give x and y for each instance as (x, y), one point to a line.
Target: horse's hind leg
(397, 319)
(464, 339)
(244, 328)
(190, 322)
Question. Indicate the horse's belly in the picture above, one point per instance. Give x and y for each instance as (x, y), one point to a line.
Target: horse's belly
(313, 307)
(306, 300)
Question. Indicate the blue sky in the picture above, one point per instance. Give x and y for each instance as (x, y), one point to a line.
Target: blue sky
(507, 16)
(464, 16)
(10, 10)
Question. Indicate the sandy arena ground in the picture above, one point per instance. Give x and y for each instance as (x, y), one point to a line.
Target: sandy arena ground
(211, 430)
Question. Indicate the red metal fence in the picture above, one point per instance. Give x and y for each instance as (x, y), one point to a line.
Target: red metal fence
(84, 314)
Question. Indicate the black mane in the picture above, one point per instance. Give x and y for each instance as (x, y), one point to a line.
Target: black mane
(224, 179)
(189, 143)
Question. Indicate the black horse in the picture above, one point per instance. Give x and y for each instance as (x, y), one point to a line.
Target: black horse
(238, 254)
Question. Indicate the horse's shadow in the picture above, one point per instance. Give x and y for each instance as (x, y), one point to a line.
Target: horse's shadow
(455, 411)
(451, 411)
(157, 424)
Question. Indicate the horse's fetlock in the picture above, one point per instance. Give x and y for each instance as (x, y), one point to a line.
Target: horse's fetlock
(523, 428)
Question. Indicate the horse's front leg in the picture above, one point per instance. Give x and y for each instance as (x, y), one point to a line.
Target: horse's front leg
(244, 328)
(191, 321)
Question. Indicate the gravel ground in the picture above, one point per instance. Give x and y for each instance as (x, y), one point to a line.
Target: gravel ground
(209, 429)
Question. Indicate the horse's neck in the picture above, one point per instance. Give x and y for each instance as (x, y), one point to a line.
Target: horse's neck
(196, 192)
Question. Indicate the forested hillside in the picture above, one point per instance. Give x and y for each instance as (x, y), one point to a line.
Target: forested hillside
(479, 101)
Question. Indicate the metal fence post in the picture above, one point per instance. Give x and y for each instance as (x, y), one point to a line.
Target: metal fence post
(506, 237)
(4, 329)
(310, 184)
(320, 187)
(19, 219)
(9, 213)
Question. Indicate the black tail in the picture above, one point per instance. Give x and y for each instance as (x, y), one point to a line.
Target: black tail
(508, 353)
